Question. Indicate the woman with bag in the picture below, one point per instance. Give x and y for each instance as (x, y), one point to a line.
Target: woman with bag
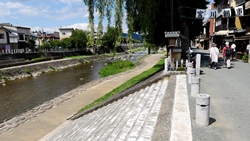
(214, 55)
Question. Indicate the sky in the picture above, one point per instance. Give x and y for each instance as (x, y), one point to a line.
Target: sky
(46, 15)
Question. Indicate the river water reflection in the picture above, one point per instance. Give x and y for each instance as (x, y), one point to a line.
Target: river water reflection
(21, 95)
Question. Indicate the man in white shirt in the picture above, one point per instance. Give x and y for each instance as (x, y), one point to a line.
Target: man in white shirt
(248, 48)
(233, 47)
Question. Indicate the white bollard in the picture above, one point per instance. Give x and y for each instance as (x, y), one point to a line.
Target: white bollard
(195, 86)
(191, 74)
(198, 64)
(202, 109)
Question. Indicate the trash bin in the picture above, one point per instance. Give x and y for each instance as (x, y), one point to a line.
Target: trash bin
(202, 109)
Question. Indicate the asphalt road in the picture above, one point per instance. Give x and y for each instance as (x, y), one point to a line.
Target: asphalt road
(229, 102)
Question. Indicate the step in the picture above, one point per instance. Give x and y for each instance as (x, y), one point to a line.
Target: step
(130, 118)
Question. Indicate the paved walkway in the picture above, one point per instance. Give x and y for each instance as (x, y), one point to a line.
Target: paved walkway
(229, 103)
(46, 122)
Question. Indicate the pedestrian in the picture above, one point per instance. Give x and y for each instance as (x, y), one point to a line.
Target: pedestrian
(226, 51)
(233, 47)
(214, 55)
(248, 48)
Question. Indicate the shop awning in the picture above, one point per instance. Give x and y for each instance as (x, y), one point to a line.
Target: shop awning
(220, 33)
(242, 38)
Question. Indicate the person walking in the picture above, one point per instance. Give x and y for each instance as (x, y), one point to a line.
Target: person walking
(226, 51)
(214, 55)
(233, 47)
(247, 49)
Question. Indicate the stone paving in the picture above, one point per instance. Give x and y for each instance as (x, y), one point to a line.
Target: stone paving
(130, 118)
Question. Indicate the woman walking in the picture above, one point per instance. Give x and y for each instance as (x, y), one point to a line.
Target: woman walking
(214, 55)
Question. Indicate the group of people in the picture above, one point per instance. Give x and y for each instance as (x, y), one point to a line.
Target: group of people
(228, 53)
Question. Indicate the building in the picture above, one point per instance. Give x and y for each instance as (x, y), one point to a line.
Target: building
(232, 29)
(65, 32)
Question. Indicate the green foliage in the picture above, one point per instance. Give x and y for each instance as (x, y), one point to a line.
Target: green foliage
(180, 69)
(116, 67)
(245, 57)
(27, 71)
(79, 38)
(55, 44)
(109, 38)
(45, 46)
(5, 78)
(66, 43)
(53, 68)
(146, 17)
(144, 75)
(32, 44)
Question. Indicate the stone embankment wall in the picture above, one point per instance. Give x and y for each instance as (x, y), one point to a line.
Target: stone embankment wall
(36, 69)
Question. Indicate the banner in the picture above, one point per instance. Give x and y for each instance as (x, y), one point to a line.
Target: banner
(213, 14)
(226, 13)
(200, 13)
(239, 11)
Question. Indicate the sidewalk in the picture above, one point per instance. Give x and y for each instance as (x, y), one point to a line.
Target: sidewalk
(229, 101)
(46, 122)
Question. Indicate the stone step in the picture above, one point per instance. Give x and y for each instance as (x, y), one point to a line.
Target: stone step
(130, 118)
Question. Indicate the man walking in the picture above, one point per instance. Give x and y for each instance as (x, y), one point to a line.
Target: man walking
(233, 47)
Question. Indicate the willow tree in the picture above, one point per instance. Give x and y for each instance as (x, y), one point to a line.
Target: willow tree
(148, 17)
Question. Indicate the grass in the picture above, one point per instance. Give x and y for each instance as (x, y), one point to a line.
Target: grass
(144, 75)
(116, 67)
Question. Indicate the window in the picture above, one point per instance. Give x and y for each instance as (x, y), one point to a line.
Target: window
(1, 36)
(63, 33)
(21, 37)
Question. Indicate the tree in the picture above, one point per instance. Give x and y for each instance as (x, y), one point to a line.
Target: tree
(149, 17)
(109, 38)
(79, 39)
(32, 44)
(55, 44)
(66, 43)
(45, 46)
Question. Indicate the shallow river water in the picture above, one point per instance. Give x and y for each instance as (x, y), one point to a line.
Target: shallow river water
(21, 95)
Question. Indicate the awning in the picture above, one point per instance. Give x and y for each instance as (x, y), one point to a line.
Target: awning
(242, 38)
(221, 32)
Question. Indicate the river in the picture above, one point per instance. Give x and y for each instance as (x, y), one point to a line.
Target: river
(21, 95)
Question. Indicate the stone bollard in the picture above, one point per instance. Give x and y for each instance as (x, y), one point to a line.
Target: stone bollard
(166, 65)
(195, 86)
(189, 66)
(202, 109)
(191, 74)
(198, 64)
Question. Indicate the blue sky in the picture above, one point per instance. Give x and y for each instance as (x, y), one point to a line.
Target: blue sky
(47, 15)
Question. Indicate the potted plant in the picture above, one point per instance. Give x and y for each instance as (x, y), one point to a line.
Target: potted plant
(245, 58)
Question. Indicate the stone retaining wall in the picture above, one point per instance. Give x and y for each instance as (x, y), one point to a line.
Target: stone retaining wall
(36, 69)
